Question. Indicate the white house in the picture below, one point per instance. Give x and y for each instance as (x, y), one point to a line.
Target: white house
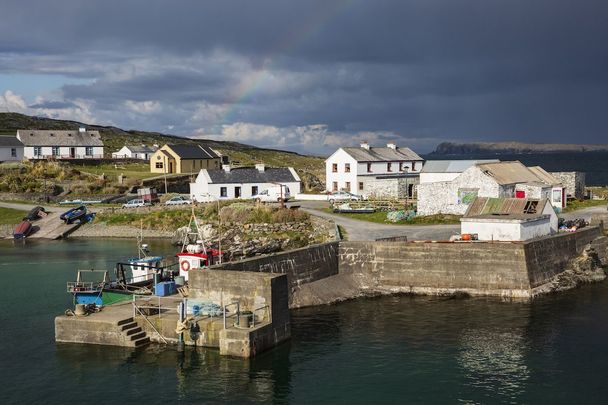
(10, 149)
(509, 219)
(81, 144)
(383, 172)
(242, 182)
(435, 171)
(496, 180)
(142, 152)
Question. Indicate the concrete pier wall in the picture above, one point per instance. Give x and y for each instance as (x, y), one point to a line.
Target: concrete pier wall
(506, 269)
(301, 266)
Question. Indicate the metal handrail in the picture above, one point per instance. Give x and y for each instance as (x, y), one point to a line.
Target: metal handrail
(266, 307)
(238, 310)
(135, 307)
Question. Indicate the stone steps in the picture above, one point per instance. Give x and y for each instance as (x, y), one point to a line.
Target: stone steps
(134, 335)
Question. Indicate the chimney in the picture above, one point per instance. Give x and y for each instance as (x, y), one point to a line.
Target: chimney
(82, 129)
(226, 168)
(392, 145)
(365, 145)
(261, 167)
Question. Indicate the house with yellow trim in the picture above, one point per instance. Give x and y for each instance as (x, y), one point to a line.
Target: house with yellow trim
(184, 159)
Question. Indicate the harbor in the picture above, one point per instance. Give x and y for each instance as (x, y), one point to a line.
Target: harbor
(366, 340)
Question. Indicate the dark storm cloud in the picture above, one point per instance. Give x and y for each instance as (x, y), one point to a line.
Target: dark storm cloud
(460, 69)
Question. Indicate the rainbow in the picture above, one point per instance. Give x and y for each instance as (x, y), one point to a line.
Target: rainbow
(307, 29)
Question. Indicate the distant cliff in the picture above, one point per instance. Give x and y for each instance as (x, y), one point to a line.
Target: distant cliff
(450, 148)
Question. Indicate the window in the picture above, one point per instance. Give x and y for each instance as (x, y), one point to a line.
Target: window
(13, 152)
(37, 150)
(55, 150)
(223, 191)
(334, 186)
(334, 168)
(557, 196)
(88, 151)
(346, 167)
(413, 165)
(389, 167)
(348, 186)
(254, 190)
(360, 186)
(159, 165)
(369, 167)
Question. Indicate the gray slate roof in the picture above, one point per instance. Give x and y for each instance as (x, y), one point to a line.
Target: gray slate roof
(451, 166)
(9, 141)
(59, 138)
(194, 152)
(141, 149)
(382, 154)
(252, 175)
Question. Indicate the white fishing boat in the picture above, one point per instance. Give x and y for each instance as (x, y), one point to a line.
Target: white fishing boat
(195, 255)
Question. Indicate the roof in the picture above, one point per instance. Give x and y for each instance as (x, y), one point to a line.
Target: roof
(505, 208)
(10, 141)
(545, 176)
(141, 148)
(59, 138)
(382, 154)
(253, 175)
(194, 152)
(452, 166)
(509, 173)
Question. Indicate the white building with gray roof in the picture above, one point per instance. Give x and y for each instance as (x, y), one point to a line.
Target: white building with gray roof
(389, 171)
(242, 182)
(11, 149)
(54, 144)
(142, 152)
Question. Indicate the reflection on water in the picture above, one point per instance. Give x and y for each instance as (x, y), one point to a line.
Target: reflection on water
(494, 360)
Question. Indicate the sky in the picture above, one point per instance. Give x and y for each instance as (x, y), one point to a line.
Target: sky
(311, 76)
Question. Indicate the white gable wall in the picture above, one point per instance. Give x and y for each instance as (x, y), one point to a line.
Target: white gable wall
(341, 177)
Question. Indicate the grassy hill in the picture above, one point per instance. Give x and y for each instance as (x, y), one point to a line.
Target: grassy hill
(115, 138)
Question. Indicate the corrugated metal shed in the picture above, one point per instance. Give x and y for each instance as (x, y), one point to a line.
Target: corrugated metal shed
(485, 207)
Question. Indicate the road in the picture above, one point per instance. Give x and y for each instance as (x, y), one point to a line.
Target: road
(585, 213)
(363, 230)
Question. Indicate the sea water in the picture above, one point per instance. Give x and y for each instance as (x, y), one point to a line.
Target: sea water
(397, 349)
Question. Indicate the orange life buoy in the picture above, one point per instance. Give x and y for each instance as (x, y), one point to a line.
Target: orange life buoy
(185, 265)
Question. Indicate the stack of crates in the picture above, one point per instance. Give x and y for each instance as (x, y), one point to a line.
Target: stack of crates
(165, 288)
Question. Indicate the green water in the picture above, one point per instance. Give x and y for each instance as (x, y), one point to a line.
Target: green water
(385, 350)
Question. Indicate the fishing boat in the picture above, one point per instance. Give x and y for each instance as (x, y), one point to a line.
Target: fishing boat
(23, 230)
(95, 287)
(36, 213)
(144, 267)
(75, 213)
(195, 255)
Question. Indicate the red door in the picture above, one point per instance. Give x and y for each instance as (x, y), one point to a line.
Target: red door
(520, 194)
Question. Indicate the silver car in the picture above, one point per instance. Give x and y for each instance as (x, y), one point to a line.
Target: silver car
(179, 200)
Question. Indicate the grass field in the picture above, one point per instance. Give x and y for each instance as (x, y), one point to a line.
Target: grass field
(130, 170)
(579, 204)
(9, 216)
(379, 217)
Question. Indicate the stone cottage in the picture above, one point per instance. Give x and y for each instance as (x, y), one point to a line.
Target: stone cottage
(494, 179)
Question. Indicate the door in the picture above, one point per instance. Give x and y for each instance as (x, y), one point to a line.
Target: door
(520, 194)
(72, 152)
(170, 167)
(237, 192)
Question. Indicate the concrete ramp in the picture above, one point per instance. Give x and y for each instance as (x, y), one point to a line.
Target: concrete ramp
(51, 227)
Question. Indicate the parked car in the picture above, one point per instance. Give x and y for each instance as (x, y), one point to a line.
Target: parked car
(179, 200)
(273, 194)
(343, 196)
(136, 203)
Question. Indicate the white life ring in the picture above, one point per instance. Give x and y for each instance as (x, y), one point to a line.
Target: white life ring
(185, 265)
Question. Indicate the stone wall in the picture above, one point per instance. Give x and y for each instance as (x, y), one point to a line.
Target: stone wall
(574, 183)
(301, 266)
(453, 197)
(389, 187)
